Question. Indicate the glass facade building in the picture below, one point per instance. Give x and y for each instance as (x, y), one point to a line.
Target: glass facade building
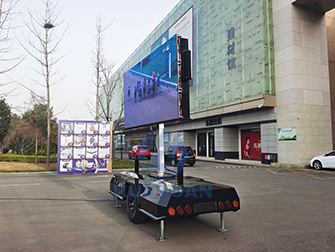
(241, 56)
(232, 50)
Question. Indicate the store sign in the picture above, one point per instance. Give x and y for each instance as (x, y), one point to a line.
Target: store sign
(84, 147)
(287, 134)
(215, 121)
(231, 48)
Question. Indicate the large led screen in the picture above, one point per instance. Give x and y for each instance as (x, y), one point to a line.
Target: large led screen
(151, 88)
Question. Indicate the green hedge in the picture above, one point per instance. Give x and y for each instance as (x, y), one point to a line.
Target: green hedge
(26, 158)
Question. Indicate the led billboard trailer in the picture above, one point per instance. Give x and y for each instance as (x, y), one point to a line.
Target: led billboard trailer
(156, 89)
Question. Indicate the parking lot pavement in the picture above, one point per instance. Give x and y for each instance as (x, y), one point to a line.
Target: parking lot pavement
(281, 210)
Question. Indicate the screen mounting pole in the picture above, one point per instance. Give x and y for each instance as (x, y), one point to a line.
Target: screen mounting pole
(160, 151)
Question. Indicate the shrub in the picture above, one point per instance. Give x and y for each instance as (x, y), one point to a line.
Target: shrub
(26, 158)
(53, 148)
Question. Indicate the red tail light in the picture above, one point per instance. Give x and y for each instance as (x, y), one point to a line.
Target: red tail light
(221, 205)
(193, 152)
(188, 209)
(228, 204)
(178, 154)
(180, 210)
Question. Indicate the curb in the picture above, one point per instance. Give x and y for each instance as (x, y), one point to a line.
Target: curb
(253, 163)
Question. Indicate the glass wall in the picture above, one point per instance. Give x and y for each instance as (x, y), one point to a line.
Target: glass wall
(232, 50)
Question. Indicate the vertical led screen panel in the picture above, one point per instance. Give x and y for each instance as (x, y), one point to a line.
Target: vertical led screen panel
(151, 88)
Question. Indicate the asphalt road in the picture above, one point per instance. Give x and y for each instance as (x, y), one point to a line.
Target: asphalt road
(281, 210)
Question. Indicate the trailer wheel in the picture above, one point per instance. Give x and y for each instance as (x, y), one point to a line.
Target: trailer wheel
(133, 206)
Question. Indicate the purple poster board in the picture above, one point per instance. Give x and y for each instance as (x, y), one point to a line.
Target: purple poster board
(83, 146)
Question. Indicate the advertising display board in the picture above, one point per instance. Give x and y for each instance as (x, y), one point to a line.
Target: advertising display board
(156, 89)
(151, 88)
(251, 144)
(184, 27)
(84, 147)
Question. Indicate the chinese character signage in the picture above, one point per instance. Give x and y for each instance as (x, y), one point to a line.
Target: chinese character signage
(84, 147)
(215, 121)
(231, 48)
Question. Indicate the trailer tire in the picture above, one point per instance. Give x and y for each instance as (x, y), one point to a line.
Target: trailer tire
(132, 203)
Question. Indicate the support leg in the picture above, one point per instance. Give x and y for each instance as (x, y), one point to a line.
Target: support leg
(117, 204)
(161, 238)
(222, 229)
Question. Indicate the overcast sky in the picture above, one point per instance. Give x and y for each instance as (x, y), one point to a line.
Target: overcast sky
(131, 22)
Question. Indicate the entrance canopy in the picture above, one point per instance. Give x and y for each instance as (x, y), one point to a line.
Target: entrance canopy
(317, 5)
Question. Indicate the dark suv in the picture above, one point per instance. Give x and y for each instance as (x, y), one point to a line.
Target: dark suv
(173, 154)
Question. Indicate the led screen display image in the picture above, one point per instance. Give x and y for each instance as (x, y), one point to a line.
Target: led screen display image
(151, 87)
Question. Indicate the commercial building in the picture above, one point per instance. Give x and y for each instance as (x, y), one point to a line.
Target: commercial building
(263, 77)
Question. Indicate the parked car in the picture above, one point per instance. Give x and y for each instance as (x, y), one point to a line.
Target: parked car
(323, 161)
(173, 154)
(140, 151)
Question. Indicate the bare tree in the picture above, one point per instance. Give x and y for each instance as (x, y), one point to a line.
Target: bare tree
(109, 94)
(100, 65)
(111, 100)
(106, 82)
(6, 14)
(42, 26)
(35, 116)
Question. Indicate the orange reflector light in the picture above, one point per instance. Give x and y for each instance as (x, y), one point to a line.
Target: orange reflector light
(188, 209)
(172, 211)
(235, 203)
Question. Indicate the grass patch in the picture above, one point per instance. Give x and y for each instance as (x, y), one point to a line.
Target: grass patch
(123, 163)
(26, 158)
(25, 167)
(15, 166)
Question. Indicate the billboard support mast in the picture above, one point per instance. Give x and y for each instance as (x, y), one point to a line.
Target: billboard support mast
(160, 152)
